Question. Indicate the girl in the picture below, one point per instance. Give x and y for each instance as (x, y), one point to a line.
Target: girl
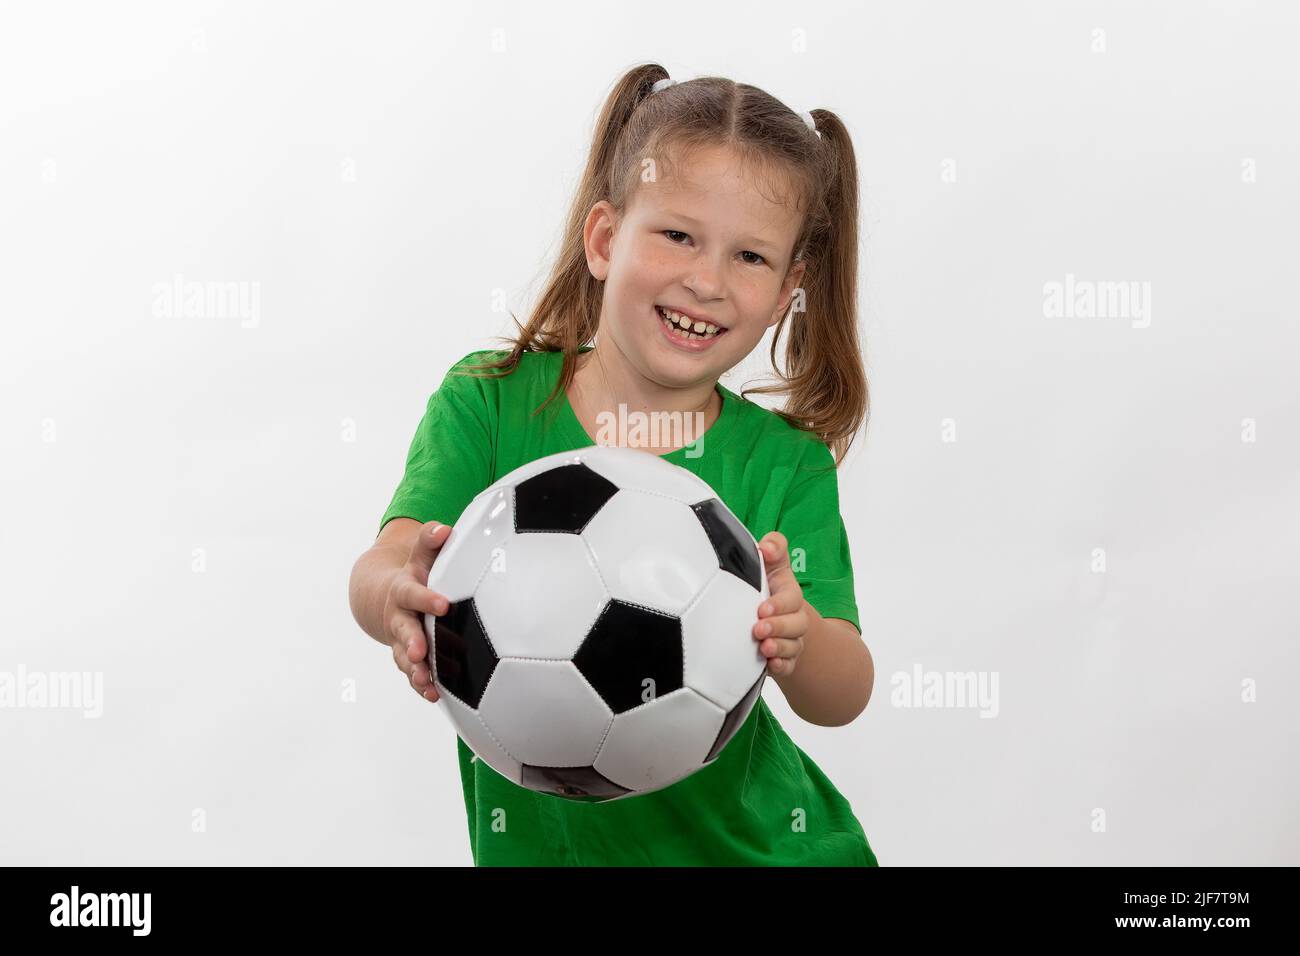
(708, 213)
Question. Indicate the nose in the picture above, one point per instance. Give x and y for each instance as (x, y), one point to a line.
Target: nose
(704, 279)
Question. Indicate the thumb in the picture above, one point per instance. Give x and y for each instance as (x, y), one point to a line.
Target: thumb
(775, 551)
(427, 545)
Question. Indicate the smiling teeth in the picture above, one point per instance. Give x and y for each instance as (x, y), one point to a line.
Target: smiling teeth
(695, 330)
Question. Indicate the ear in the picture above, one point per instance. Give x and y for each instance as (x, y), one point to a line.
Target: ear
(598, 237)
(792, 279)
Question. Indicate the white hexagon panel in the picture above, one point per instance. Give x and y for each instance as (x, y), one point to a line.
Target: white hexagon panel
(544, 713)
(479, 739)
(651, 551)
(516, 596)
(660, 742)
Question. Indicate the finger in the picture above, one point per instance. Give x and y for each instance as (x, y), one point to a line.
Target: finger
(418, 676)
(778, 649)
(426, 690)
(400, 659)
(428, 543)
(412, 595)
(785, 647)
(781, 666)
(786, 598)
(776, 560)
(775, 551)
(421, 678)
(410, 637)
(781, 625)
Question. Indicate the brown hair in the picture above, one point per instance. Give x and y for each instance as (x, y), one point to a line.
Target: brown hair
(824, 375)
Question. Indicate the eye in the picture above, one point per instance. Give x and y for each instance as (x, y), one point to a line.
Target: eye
(751, 262)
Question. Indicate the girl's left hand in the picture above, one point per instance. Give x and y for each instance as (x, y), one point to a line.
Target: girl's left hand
(783, 618)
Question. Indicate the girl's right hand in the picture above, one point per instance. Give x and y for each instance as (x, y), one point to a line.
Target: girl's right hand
(408, 600)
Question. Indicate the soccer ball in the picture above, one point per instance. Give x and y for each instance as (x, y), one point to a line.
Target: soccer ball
(599, 640)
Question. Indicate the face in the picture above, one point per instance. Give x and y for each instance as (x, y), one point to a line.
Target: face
(717, 248)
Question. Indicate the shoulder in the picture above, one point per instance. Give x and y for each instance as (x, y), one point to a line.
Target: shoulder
(482, 378)
(480, 371)
(767, 433)
(529, 362)
(465, 364)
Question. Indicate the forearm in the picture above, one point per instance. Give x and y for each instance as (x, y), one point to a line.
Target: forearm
(833, 676)
(368, 587)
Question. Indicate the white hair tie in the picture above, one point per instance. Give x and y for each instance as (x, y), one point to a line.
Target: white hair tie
(808, 121)
(662, 84)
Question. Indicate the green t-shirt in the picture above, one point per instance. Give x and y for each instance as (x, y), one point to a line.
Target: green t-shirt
(762, 801)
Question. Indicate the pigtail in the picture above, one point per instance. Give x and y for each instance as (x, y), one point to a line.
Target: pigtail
(824, 374)
(568, 313)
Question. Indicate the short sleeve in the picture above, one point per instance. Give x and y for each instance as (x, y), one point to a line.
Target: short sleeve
(814, 531)
(450, 457)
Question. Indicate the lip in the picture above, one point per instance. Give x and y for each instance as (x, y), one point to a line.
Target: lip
(694, 317)
(686, 345)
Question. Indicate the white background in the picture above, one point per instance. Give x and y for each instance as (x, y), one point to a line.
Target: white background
(391, 183)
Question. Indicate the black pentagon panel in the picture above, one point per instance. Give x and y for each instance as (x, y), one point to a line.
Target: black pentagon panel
(571, 782)
(626, 646)
(734, 544)
(735, 719)
(562, 499)
(462, 656)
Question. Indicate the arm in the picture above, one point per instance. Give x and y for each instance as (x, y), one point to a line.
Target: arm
(388, 595)
(832, 683)
(373, 574)
(821, 664)
(825, 669)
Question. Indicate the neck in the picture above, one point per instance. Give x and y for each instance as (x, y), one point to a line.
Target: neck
(604, 380)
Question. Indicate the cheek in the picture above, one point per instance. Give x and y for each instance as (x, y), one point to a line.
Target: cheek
(637, 273)
(654, 273)
(754, 312)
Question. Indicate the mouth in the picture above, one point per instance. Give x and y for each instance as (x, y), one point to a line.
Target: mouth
(685, 330)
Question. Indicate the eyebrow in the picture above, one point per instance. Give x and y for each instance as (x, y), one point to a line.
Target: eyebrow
(747, 240)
